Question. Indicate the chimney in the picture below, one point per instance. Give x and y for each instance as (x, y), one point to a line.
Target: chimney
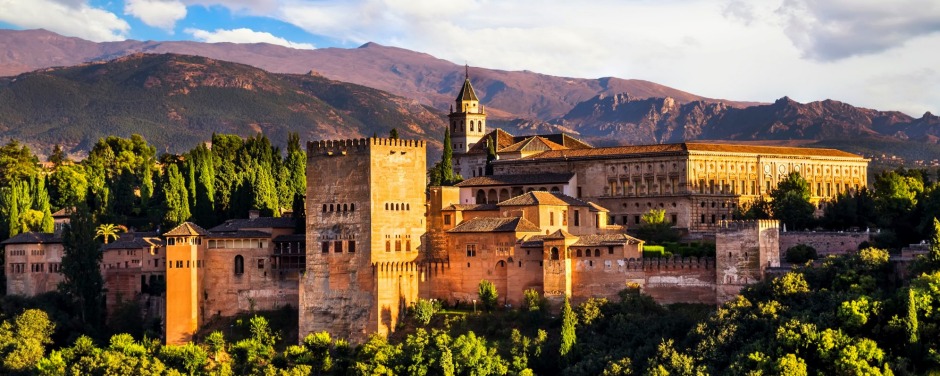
(252, 214)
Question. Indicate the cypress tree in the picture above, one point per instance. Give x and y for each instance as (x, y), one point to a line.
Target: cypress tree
(191, 180)
(911, 322)
(146, 186)
(176, 198)
(490, 155)
(447, 167)
(204, 210)
(264, 193)
(81, 260)
(393, 134)
(568, 323)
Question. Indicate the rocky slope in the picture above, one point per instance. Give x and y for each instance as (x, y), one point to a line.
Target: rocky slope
(176, 101)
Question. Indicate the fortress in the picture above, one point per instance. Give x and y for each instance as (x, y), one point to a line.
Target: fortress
(553, 218)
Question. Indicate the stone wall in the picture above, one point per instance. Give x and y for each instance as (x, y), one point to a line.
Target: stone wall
(258, 287)
(24, 281)
(825, 242)
(744, 251)
(672, 280)
(366, 205)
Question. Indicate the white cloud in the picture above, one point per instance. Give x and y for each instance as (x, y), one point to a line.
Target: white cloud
(157, 13)
(244, 35)
(836, 29)
(69, 17)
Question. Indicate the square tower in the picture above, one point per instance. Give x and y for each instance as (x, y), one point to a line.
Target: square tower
(744, 250)
(184, 275)
(365, 219)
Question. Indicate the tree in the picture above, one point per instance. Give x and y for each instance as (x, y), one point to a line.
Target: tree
(568, 323)
(758, 209)
(23, 341)
(488, 295)
(176, 199)
(393, 134)
(655, 229)
(108, 231)
(424, 310)
(791, 202)
(800, 253)
(58, 157)
(80, 267)
(447, 163)
(490, 155)
(68, 186)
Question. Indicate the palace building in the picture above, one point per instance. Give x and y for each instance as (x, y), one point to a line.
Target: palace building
(552, 217)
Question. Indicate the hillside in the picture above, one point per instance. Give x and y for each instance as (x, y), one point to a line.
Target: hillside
(623, 118)
(176, 101)
(410, 74)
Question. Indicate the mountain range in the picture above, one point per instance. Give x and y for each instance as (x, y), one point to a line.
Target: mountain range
(325, 93)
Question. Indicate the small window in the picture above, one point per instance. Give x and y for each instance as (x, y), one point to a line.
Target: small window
(471, 250)
(239, 265)
(351, 246)
(170, 241)
(324, 208)
(388, 246)
(597, 253)
(261, 263)
(352, 207)
(447, 219)
(408, 245)
(397, 245)
(338, 246)
(325, 247)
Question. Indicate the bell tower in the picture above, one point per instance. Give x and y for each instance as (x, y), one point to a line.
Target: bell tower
(467, 119)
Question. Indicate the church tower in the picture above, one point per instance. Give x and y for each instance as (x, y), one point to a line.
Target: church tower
(467, 119)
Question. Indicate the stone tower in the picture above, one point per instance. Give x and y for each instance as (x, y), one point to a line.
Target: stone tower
(184, 273)
(365, 221)
(467, 118)
(743, 252)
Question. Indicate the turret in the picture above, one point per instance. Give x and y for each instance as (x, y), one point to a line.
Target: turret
(467, 118)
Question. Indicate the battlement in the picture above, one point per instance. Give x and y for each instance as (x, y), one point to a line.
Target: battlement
(671, 263)
(752, 224)
(357, 145)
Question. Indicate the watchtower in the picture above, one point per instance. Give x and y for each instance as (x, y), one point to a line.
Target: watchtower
(743, 252)
(365, 219)
(184, 275)
(467, 118)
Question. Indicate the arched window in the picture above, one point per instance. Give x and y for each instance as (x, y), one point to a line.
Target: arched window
(239, 265)
(345, 207)
(554, 253)
(579, 253)
(352, 207)
(386, 206)
(331, 207)
(501, 264)
(481, 197)
(324, 208)
(597, 253)
(471, 125)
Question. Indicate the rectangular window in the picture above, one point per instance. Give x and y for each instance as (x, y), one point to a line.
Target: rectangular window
(577, 217)
(261, 263)
(471, 250)
(674, 219)
(179, 263)
(551, 218)
(338, 246)
(579, 192)
(325, 247)
(397, 245)
(636, 219)
(447, 219)
(564, 217)
(625, 219)
(171, 241)
(351, 246)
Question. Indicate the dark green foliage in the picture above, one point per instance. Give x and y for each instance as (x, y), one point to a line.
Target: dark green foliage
(800, 253)
(424, 310)
(490, 155)
(81, 258)
(790, 202)
(176, 199)
(851, 209)
(393, 134)
(654, 251)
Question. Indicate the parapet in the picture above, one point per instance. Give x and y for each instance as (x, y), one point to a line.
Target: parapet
(751, 224)
(360, 145)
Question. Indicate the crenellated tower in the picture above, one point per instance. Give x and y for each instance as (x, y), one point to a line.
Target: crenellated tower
(365, 221)
(467, 118)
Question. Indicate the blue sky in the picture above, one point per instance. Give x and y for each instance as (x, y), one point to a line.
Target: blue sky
(871, 53)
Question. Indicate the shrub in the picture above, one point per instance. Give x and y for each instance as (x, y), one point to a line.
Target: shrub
(800, 254)
(654, 251)
(488, 295)
(533, 301)
(424, 310)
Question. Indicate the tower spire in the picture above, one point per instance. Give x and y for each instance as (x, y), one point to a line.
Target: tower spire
(466, 74)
